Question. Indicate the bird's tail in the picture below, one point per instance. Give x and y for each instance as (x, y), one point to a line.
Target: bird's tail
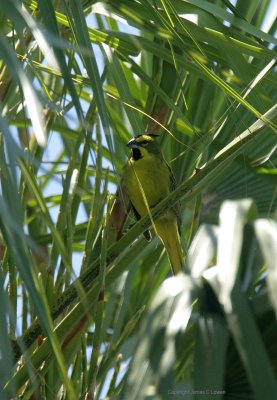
(167, 229)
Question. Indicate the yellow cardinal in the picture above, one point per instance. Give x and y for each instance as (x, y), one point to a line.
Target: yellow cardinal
(148, 180)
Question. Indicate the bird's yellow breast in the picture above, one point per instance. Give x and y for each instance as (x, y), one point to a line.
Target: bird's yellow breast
(147, 181)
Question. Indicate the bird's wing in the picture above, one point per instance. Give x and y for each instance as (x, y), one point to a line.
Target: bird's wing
(146, 234)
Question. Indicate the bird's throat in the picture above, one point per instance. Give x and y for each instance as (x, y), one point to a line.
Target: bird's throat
(136, 154)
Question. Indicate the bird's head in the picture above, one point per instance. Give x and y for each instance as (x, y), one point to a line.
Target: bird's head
(144, 146)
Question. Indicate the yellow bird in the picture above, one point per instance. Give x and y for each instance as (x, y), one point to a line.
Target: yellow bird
(148, 180)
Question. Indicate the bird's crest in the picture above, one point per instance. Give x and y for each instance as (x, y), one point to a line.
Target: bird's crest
(145, 138)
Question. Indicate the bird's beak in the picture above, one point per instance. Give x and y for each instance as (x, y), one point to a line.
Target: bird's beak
(132, 144)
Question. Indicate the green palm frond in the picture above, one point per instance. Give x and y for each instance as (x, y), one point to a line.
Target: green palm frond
(78, 79)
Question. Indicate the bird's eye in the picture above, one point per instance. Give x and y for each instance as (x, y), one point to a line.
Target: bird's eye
(144, 142)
